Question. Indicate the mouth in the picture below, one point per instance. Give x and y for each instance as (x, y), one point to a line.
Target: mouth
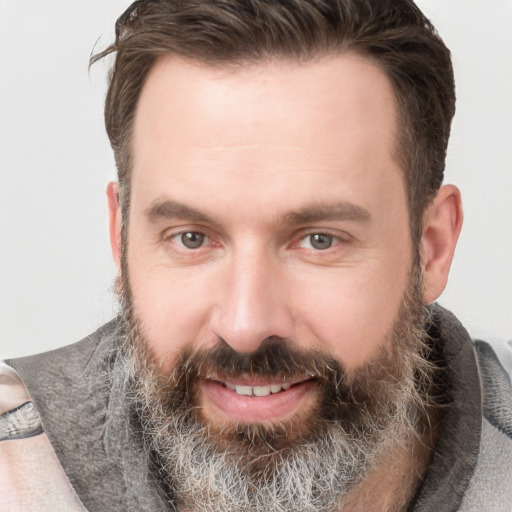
(250, 400)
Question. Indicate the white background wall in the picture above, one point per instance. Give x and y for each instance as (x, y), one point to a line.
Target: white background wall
(56, 272)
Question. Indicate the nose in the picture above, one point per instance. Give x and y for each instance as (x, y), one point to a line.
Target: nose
(252, 304)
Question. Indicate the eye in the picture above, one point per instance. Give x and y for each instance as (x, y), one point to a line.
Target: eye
(190, 239)
(318, 241)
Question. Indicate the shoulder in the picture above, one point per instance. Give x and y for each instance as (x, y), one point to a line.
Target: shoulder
(496, 389)
(58, 369)
(489, 488)
(39, 396)
(31, 477)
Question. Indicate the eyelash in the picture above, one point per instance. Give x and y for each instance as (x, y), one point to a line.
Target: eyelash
(171, 238)
(176, 239)
(334, 240)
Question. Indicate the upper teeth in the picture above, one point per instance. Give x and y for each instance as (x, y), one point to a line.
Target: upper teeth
(258, 390)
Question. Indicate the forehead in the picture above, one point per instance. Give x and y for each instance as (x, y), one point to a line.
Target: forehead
(330, 90)
(268, 123)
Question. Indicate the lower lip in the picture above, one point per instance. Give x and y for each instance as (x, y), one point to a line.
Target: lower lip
(253, 409)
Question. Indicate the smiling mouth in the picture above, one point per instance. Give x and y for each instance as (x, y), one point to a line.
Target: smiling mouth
(251, 400)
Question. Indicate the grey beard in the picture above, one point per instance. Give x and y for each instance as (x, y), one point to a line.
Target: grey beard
(308, 465)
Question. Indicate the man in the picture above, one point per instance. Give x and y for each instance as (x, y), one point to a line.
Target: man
(281, 232)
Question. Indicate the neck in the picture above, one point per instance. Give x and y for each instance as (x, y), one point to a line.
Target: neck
(394, 480)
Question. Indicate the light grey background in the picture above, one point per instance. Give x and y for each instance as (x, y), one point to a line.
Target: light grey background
(56, 272)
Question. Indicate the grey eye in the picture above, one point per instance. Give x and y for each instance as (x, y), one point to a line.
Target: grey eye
(321, 241)
(192, 239)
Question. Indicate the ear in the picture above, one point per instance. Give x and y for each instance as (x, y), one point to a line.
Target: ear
(441, 227)
(114, 213)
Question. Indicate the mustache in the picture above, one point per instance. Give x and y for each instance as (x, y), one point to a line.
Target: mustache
(275, 357)
(350, 402)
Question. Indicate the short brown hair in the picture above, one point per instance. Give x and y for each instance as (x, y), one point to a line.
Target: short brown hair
(394, 34)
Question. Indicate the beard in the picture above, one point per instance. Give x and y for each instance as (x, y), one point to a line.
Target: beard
(307, 463)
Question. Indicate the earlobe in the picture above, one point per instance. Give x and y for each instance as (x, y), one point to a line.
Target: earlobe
(114, 212)
(441, 229)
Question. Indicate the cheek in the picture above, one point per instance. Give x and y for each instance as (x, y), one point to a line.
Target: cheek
(173, 310)
(351, 315)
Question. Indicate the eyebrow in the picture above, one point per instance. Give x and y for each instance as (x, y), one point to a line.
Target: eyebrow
(346, 211)
(328, 211)
(170, 209)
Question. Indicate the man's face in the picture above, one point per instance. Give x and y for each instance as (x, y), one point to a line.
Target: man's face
(268, 272)
(266, 203)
